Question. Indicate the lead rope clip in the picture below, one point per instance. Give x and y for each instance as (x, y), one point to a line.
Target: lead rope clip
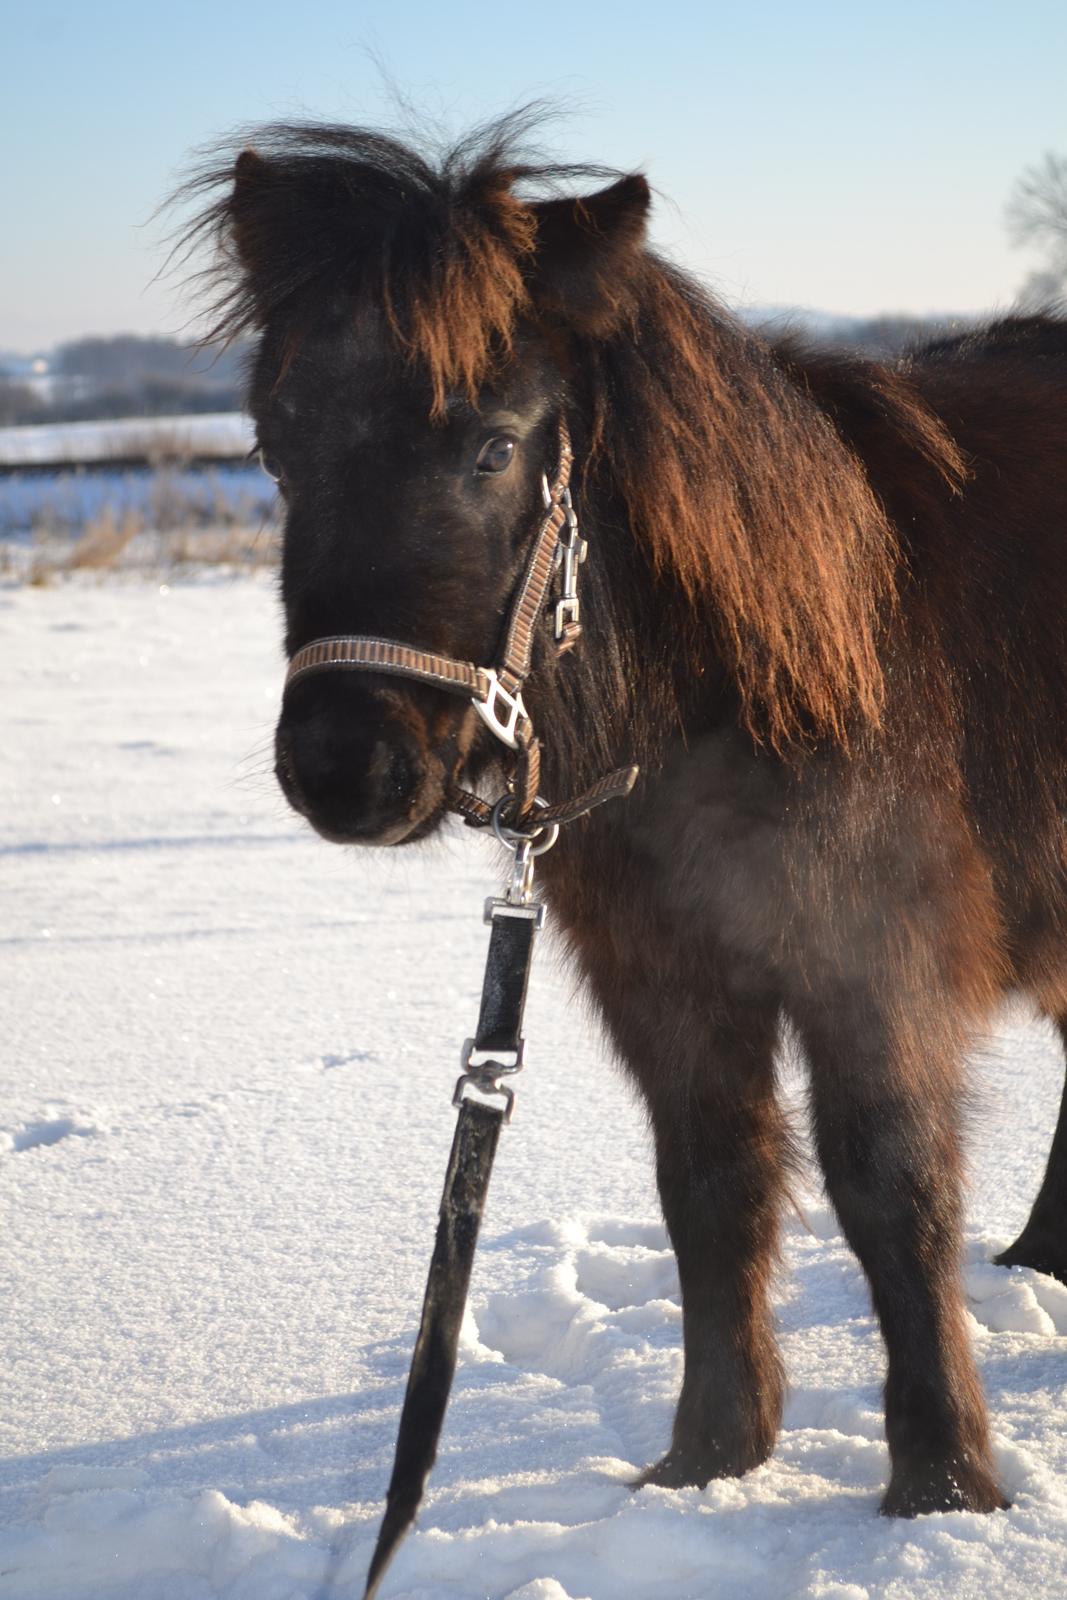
(482, 1069)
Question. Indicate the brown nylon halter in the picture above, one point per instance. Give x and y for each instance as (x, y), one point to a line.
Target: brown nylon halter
(496, 692)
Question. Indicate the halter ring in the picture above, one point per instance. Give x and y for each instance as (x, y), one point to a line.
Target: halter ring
(515, 837)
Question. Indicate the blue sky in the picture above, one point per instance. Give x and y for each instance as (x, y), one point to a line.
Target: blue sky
(839, 156)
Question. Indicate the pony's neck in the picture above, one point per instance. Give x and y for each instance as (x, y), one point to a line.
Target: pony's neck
(740, 498)
(645, 672)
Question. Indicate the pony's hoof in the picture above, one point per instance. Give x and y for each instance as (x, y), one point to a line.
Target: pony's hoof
(942, 1488)
(673, 1472)
(691, 1469)
(1043, 1252)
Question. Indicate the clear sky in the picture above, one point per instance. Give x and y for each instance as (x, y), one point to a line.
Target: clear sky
(845, 156)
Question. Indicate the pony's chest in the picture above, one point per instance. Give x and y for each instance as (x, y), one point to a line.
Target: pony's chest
(698, 856)
(715, 832)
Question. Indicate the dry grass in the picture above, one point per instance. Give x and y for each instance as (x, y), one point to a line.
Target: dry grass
(177, 521)
(111, 544)
(104, 540)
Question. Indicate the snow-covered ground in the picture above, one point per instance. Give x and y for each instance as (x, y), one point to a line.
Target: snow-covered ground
(228, 1053)
(218, 434)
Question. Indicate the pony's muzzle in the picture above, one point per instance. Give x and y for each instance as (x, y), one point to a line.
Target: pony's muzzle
(356, 769)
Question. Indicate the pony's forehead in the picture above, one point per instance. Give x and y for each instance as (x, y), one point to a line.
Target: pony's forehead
(345, 350)
(350, 358)
(340, 331)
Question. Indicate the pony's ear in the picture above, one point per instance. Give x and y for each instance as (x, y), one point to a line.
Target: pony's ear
(250, 197)
(585, 252)
(285, 223)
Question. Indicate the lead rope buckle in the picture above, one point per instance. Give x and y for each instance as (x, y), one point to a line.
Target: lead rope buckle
(482, 1069)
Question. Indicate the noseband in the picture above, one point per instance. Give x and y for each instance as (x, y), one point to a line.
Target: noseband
(496, 691)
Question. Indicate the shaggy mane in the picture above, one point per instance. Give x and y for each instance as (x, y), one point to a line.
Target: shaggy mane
(330, 211)
(735, 463)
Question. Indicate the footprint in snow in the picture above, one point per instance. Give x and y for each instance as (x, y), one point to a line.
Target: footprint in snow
(349, 1058)
(600, 1319)
(1015, 1300)
(623, 1275)
(47, 1131)
(652, 1235)
(613, 1285)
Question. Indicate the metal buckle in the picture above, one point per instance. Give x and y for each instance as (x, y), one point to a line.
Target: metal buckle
(483, 1068)
(472, 1058)
(567, 614)
(517, 900)
(469, 1081)
(530, 910)
(570, 553)
(504, 727)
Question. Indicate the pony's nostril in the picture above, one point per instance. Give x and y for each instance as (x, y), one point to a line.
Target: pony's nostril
(350, 781)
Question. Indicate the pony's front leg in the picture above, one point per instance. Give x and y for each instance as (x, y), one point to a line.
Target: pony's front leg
(708, 1078)
(884, 1102)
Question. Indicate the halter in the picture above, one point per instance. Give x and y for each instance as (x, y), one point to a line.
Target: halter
(496, 691)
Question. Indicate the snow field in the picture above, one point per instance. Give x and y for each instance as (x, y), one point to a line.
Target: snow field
(220, 434)
(226, 1057)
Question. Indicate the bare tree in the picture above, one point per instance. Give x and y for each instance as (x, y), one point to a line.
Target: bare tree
(1037, 216)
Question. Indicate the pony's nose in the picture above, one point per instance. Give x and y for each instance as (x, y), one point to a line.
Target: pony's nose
(351, 782)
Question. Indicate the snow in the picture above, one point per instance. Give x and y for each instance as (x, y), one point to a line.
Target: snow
(228, 1054)
(210, 434)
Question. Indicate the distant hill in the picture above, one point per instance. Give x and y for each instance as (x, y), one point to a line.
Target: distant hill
(885, 335)
(123, 376)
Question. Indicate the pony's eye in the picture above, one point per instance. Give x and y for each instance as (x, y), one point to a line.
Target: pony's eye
(271, 465)
(495, 454)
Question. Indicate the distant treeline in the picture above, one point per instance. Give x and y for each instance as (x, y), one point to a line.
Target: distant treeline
(884, 337)
(127, 376)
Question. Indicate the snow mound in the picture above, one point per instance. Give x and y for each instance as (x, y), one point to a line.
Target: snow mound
(110, 1534)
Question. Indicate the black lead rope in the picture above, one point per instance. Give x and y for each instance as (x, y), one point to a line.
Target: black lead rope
(434, 1361)
(495, 1051)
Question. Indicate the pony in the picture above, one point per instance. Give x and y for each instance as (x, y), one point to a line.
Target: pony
(824, 613)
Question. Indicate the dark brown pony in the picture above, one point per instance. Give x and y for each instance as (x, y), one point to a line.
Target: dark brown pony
(825, 611)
